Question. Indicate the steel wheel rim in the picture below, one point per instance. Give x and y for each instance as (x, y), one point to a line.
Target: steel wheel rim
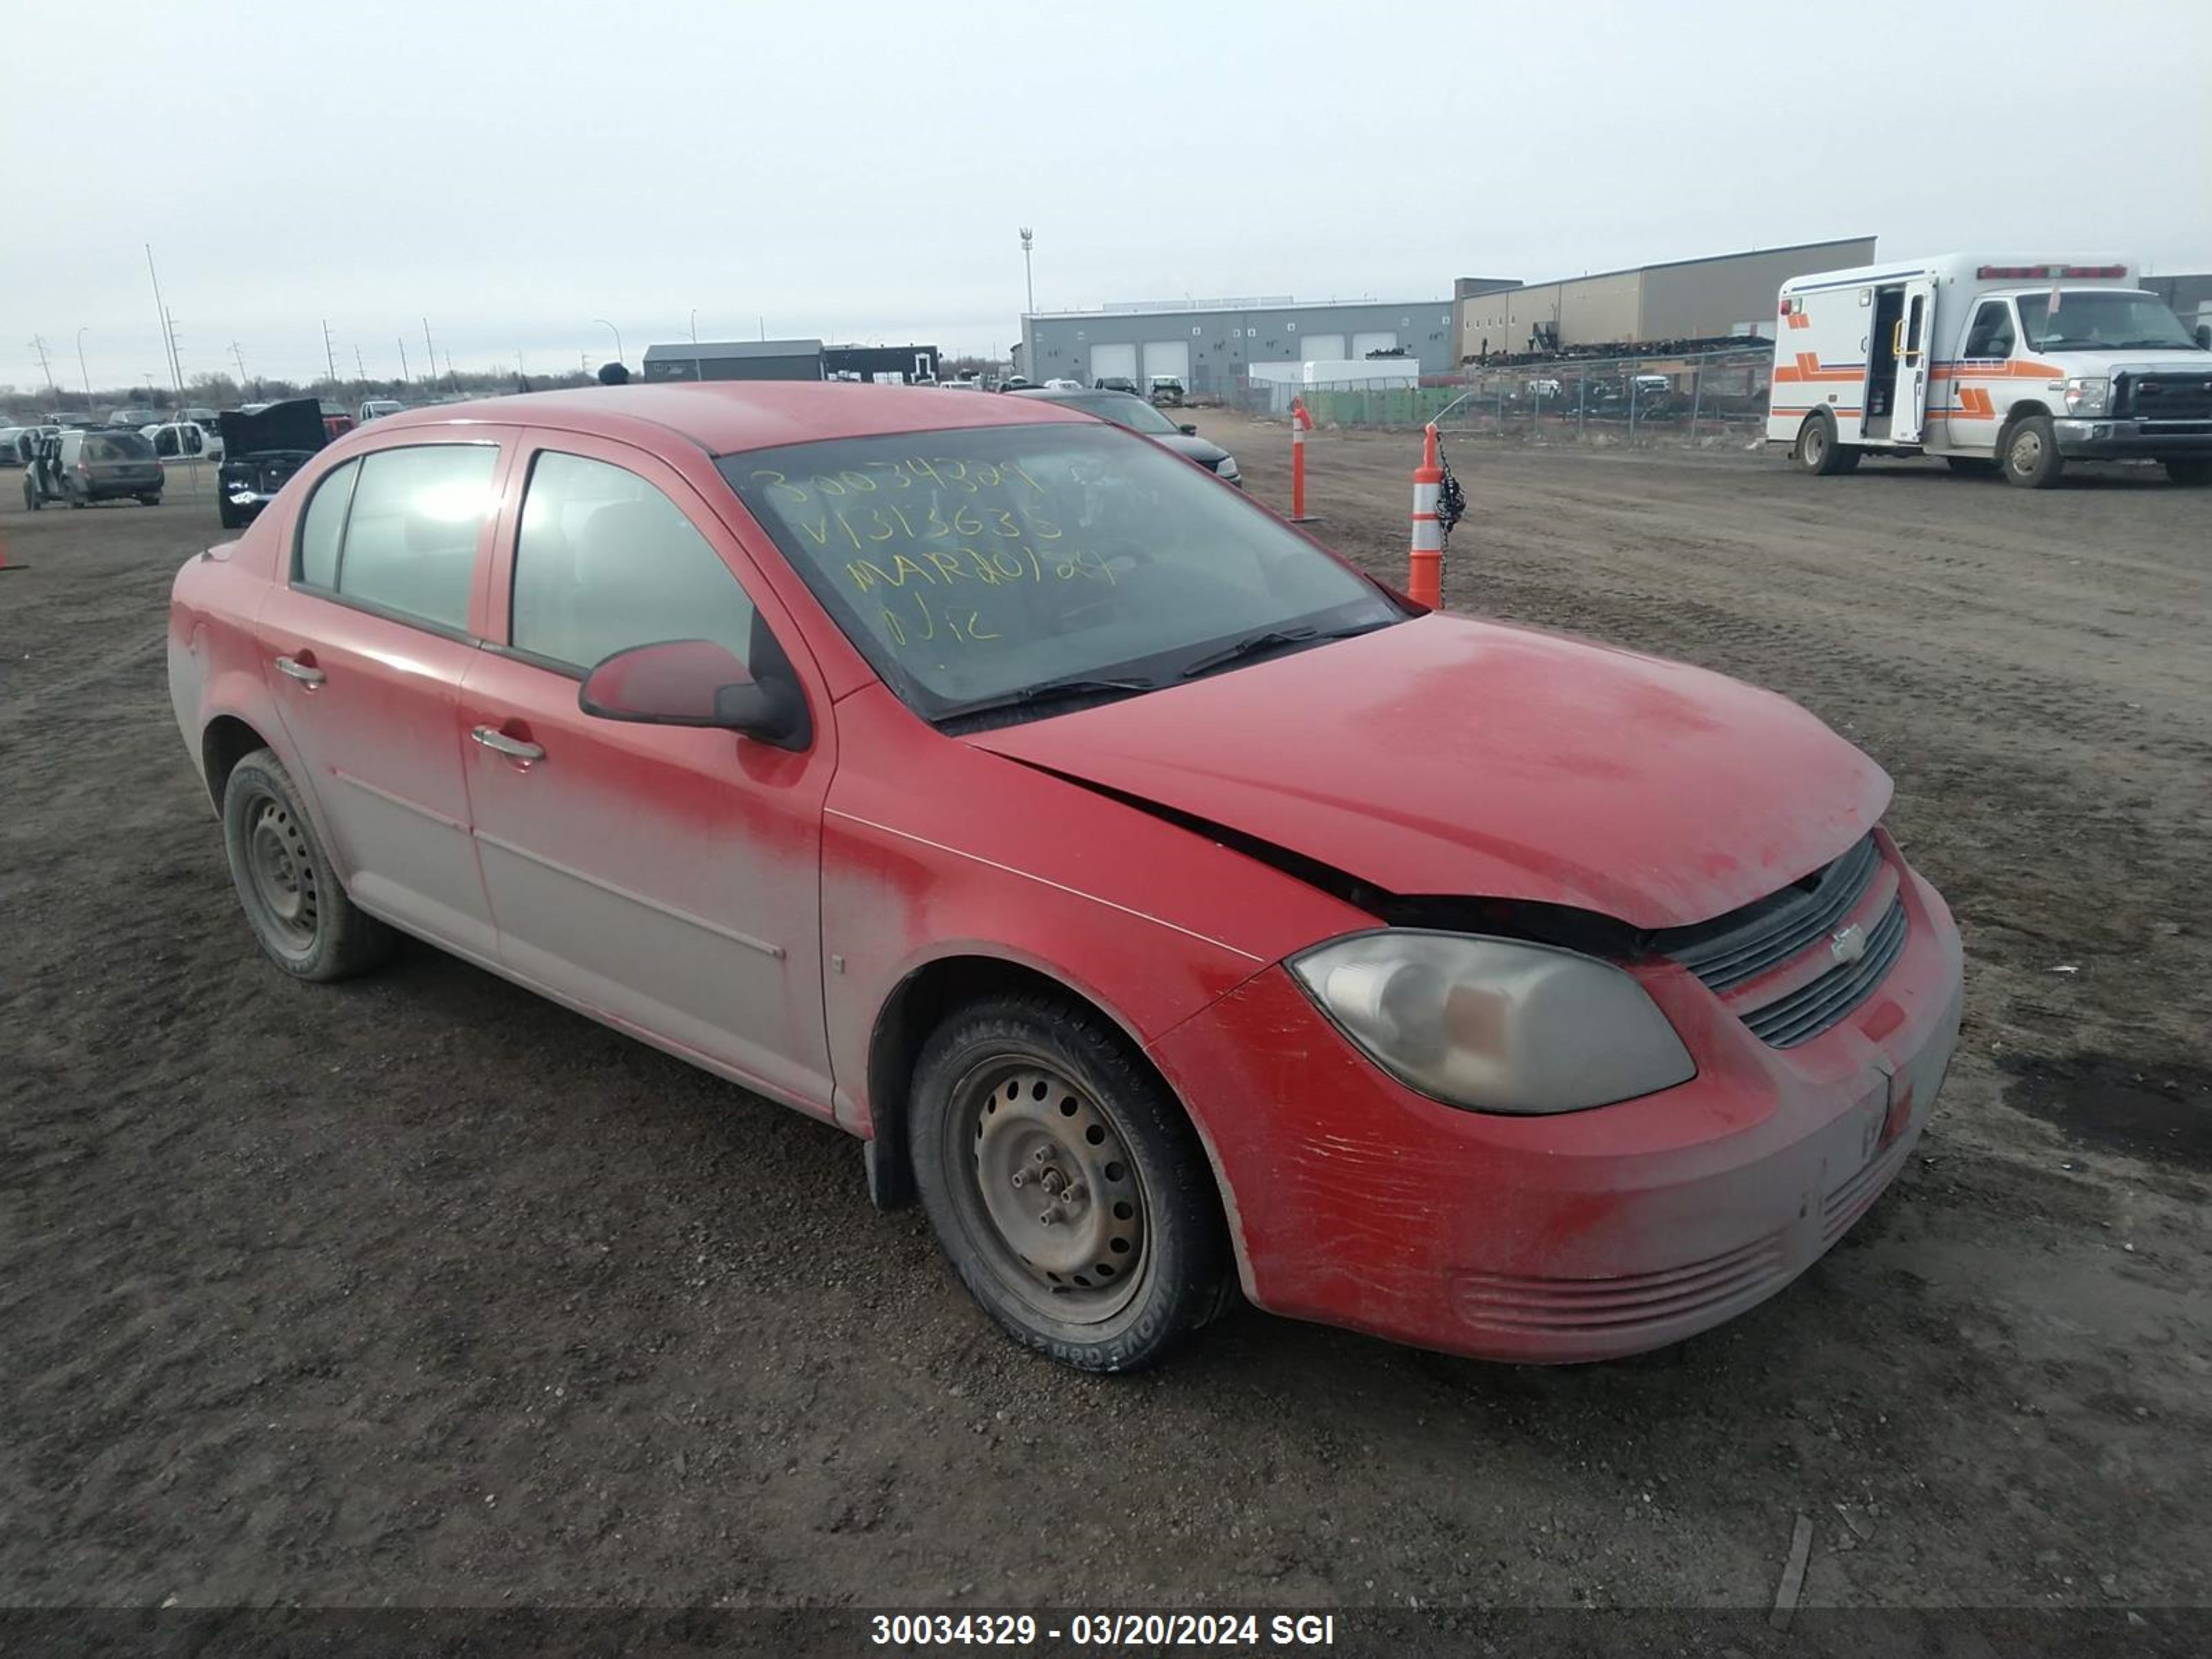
(1816, 443)
(1027, 1142)
(2026, 450)
(278, 864)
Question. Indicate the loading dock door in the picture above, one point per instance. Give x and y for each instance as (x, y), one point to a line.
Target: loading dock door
(1166, 357)
(1321, 348)
(1108, 362)
(1380, 340)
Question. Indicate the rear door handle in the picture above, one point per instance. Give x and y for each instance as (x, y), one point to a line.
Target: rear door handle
(514, 748)
(306, 673)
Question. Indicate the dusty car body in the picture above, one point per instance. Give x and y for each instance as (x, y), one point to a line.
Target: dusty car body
(262, 448)
(1465, 984)
(1126, 409)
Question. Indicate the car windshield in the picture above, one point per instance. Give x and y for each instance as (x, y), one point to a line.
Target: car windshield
(117, 446)
(2114, 318)
(1123, 410)
(979, 566)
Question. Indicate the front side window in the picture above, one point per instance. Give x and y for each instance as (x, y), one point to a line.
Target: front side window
(973, 566)
(410, 544)
(1991, 335)
(605, 562)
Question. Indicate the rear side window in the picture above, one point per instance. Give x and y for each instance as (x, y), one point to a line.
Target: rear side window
(322, 527)
(117, 446)
(411, 540)
(605, 562)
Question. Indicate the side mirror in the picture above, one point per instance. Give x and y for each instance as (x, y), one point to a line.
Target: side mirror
(1188, 429)
(696, 683)
(2204, 335)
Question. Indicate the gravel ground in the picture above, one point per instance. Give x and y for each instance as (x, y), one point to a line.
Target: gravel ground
(419, 1291)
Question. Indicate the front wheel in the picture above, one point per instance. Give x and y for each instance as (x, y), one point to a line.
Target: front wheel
(2029, 453)
(1817, 450)
(151, 498)
(285, 883)
(1066, 1185)
(2193, 473)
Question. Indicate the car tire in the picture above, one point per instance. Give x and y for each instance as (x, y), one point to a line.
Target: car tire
(2191, 473)
(1818, 452)
(229, 516)
(290, 894)
(1974, 467)
(152, 500)
(2028, 452)
(1025, 1105)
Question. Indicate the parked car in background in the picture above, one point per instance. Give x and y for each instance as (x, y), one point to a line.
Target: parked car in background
(136, 416)
(200, 414)
(1126, 409)
(1014, 383)
(1166, 390)
(261, 452)
(1116, 383)
(16, 443)
(1062, 384)
(77, 468)
(373, 407)
(185, 440)
(337, 421)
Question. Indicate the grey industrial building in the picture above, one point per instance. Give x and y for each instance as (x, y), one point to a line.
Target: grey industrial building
(1706, 298)
(736, 360)
(1210, 345)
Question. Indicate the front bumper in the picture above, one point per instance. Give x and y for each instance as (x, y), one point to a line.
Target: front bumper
(1355, 1201)
(2125, 440)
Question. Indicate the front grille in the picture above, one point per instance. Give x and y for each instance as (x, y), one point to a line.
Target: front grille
(1625, 1304)
(1744, 944)
(1813, 1007)
(2165, 396)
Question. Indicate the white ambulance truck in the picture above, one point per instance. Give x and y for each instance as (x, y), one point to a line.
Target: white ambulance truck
(1997, 364)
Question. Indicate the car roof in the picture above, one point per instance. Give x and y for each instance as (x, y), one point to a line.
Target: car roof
(1068, 394)
(727, 416)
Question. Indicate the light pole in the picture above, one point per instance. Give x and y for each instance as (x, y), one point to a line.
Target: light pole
(695, 326)
(612, 330)
(83, 371)
(1028, 270)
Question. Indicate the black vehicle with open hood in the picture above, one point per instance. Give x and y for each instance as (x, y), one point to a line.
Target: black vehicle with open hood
(262, 450)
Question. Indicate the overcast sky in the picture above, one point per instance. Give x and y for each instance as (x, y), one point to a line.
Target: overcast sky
(858, 171)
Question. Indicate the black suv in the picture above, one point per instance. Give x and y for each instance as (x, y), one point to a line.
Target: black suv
(260, 454)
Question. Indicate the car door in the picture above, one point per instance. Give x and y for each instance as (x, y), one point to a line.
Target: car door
(665, 877)
(364, 645)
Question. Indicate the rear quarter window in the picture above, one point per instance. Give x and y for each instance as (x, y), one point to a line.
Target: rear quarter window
(322, 527)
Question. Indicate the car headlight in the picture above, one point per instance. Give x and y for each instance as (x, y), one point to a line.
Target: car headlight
(1226, 466)
(2088, 394)
(1493, 1024)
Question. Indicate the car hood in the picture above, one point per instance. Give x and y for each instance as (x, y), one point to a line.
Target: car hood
(1192, 448)
(1450, 756)
(295, 423)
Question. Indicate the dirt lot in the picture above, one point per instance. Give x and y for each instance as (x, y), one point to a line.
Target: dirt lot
(422, 1290)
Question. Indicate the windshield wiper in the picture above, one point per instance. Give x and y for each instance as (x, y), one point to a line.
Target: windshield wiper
(1076, 685)
(1255, 644)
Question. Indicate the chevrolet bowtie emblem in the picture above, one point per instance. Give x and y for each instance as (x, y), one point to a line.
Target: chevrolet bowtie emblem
(1849, 943)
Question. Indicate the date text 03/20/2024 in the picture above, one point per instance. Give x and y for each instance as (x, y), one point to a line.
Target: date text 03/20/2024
(1147, 1630)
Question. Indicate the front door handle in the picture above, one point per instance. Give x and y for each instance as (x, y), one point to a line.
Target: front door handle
(514, 748)
(306, 673)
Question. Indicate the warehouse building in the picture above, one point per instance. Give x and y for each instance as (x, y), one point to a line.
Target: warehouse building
(736, 360)
(1683, 300)
(1210, 345)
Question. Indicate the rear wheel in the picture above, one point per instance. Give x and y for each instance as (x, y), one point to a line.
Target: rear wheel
(2029, 453)
(227, 515)
(1066, 1185)
(151, 498)
(285, 883)
(2194, 473)
(1817, 450)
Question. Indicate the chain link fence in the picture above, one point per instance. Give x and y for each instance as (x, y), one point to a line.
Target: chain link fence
(1710, 399)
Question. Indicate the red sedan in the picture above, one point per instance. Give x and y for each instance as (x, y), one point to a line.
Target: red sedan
(1168, 906)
